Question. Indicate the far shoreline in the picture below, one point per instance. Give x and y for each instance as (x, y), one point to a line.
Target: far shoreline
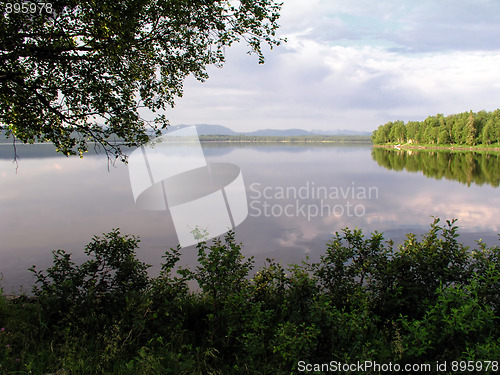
(297, 139)
(284, 141)
(439, 147)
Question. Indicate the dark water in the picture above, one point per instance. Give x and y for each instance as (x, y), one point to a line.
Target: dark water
(298, 196)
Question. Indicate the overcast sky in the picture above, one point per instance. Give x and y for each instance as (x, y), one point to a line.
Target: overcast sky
(355, 65)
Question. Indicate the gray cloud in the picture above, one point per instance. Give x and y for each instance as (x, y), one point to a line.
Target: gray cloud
(405, 25)
(357, 64)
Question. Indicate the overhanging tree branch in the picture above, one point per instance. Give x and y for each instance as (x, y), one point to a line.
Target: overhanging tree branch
(59, 71)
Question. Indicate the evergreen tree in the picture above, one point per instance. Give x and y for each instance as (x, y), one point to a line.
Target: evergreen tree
(470, 131)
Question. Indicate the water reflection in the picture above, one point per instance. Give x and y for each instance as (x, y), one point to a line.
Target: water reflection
(466, 167)
(57, 202)
(405, 201)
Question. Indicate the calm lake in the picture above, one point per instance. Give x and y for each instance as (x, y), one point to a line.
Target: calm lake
(298, 196)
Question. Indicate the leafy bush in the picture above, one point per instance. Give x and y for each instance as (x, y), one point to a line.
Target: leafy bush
(431, 299)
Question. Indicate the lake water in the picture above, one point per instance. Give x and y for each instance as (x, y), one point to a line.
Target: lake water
(298, 196)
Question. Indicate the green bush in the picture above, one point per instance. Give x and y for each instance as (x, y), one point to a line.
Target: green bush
(431, 299)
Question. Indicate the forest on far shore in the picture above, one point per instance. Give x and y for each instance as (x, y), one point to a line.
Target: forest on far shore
(467, 128)
(286, 138)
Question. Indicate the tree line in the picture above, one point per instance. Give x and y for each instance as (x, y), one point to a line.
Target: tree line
(467, 128)
(293, 139)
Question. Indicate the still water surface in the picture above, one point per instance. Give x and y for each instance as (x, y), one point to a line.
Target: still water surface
(298, 196)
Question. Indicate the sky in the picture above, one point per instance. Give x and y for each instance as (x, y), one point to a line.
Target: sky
(355, 65)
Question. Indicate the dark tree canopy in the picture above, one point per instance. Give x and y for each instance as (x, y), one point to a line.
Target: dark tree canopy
(79, 72)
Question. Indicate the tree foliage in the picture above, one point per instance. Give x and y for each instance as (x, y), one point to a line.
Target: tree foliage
(466, 128)
(84, 71)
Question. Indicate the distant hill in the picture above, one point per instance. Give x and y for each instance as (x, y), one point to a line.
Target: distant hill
(278, 132)
(207, 129)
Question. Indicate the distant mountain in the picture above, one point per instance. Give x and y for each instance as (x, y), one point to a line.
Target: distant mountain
(206, 129)
(279, 132)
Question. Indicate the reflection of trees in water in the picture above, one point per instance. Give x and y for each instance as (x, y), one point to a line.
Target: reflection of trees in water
(466, 167)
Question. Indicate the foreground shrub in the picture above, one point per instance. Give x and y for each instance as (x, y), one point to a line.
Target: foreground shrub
(431, 299)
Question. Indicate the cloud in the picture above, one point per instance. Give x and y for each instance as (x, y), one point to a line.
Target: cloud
(407, 25)
(452, 25)
(357, 64)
